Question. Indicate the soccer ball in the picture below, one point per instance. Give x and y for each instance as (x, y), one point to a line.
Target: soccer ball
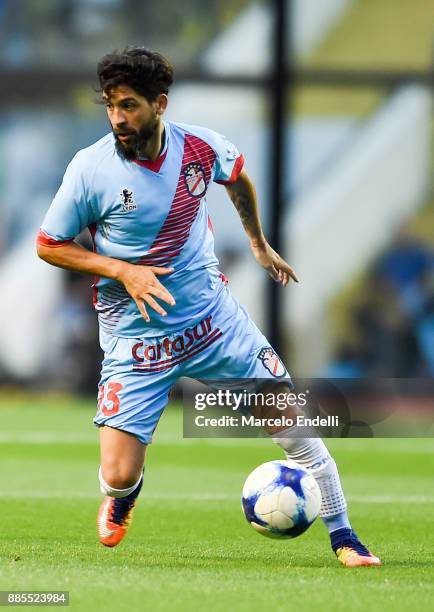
(280, 499)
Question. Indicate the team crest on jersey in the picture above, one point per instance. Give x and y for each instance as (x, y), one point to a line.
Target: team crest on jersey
(127, 200)
(271, 361)
(195, 181)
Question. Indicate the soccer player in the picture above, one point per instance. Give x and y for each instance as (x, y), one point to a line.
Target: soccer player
(164, 308)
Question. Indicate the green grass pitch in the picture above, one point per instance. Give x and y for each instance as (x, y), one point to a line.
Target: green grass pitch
(189, 547)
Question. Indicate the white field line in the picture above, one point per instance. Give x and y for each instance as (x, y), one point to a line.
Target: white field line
(91, 437)
(47, 437)
(64, 437)
(365, 499)
(392, 499)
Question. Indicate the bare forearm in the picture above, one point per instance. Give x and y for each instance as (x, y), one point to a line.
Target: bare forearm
(74, 257)
(243, 196)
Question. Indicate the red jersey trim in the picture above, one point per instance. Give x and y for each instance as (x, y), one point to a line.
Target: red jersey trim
(236, 171)
(210, 225)
(92, 230)
(175, 230)
(224, 278)
(154, 166)
(44, 239)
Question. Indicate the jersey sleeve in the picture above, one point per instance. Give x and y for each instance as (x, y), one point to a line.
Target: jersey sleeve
(228, 162)
(70, 211)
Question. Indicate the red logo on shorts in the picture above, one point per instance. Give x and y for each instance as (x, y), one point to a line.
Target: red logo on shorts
(272, 362)
(168, 352)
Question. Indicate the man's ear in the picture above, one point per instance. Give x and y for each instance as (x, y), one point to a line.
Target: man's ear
(160, 103)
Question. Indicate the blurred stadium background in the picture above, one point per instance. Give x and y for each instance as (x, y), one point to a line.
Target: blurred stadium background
(354, 215)
(357, 221)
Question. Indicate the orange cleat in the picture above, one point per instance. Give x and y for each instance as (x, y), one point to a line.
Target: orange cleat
(351, 558)
(114, 518)
(350, 551)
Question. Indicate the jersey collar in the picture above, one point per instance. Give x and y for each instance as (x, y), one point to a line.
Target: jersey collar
(155, 166)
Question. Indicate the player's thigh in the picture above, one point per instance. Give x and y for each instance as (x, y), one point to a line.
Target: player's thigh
(242, 359)
(274, 405)
(236, 349)
(130, 399)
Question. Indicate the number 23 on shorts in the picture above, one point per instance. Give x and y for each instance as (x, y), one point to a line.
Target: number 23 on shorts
(110, 393)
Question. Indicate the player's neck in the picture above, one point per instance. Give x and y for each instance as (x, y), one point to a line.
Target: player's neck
(154, 146)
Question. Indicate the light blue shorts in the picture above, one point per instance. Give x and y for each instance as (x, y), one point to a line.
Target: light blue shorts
(138, 373)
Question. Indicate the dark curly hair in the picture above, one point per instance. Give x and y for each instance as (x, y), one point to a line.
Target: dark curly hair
(145, 71)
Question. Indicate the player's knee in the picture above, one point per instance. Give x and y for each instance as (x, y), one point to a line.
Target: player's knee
(120, 477)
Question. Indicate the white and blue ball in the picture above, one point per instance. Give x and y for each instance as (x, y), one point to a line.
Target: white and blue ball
(281, 499)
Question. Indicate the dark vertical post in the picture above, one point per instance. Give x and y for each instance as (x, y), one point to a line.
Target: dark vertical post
(277, 159)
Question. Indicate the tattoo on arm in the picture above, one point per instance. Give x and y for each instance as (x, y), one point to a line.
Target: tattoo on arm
(244, 207)
(243, 195)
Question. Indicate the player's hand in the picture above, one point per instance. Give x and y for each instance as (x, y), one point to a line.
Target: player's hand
(276, 267)
(142, 284)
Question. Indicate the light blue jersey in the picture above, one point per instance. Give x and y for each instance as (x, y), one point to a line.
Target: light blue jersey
(152, 213)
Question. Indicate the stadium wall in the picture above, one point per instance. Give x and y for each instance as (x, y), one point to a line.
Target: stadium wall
(346, 218)
(310, 22)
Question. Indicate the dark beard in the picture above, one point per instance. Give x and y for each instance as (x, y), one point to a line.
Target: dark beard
(139, 140)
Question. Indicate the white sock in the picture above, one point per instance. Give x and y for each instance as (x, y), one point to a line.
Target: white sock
(106, 489)
(312, 454)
